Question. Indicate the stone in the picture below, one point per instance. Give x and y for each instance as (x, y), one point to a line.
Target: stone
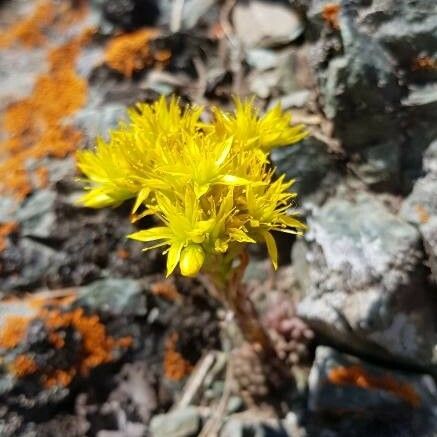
(381, 104)
(116, 296)
(421, 204)
(131, 14)
(25, 266)
(429, 233)
(263, 23)
(308, 162)
(184, 422)
(99, 121)
(37, 215)
(402, 403)
(18, 72)
(366, 287)
(251, 425)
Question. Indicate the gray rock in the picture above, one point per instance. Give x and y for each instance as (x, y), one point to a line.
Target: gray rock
(365, 283)
(429, 232)
(37, 216)
(262, 59)
(98, 122)
(308, 162)
(8, 206)
(420, 207)
(382, 109)
(430, 158)
(33, 260)
(262, 23)
(421, 204)
(184, 422)
(252, 426)
(340, 383)
(117, 296)
(18, 72)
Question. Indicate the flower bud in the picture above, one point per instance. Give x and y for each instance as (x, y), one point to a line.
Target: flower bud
(192, 258)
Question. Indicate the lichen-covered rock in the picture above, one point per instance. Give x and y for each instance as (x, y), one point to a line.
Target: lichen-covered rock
(376, 77)
(421, 204)
(343, 386)
(429, 232)
(420, 207)
(365, 284)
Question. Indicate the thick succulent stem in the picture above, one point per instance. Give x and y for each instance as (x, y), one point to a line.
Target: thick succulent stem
(235, 297)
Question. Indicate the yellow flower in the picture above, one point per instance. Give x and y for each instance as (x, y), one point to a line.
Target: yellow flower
(208, 183)
(111, 179)
(253, 131)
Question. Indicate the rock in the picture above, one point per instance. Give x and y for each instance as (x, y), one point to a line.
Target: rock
(401, 403)
(131, 14)
(420, 207)
(97, 122)
(37, 215)
(297, 99)
(365, 283)
(308, 162)
(18, 72)
(262, 59)
(25, 265)
(421, 204)
(8, 206)
(264, 23)
(115, 296)
(50, 342)
(183, 422)
(252, 425)
(430, 158)
(381, 101)
(195, 11)
(429, 232)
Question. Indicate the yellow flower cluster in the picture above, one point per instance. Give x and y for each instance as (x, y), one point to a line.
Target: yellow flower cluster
(209, 184)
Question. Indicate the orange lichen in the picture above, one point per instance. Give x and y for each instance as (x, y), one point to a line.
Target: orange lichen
(166, 289)
(13, 331)
(176, 367)
(130, 52)
(423, 214)
(23, 366)
(35, 125)
(58, 378)
(122, 253)
(217, 31)
(97, 346)
(42, 175)
(358, 376)
(6, 229)
(29, 31)
(424, 63)
(330, 14)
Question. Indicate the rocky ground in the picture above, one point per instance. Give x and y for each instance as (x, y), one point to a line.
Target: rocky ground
(95, 342)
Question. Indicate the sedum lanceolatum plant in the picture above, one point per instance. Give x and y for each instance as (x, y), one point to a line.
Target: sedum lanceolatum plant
(209, 184)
